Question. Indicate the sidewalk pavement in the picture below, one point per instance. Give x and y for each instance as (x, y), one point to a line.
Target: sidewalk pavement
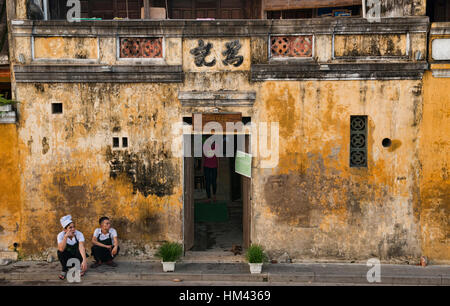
(134, 272)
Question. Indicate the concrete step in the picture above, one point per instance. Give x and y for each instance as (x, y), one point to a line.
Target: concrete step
(218, 256)
(262, 278)
(234, 272)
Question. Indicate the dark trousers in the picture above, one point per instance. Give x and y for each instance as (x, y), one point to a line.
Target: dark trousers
(102, 254)
(65, 256)
(210, 179)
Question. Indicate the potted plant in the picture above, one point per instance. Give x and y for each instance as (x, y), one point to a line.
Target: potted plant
(169, 252)
(5, 104)
(256, 257)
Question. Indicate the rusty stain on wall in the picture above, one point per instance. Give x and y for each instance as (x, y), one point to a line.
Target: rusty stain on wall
(323, 208)
(434, 157)
(148, 174)
(370, 45)
(65, 48)
(10, 188)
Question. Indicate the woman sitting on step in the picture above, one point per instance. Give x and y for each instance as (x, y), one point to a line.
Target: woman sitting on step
(70, 245)
(105, 244)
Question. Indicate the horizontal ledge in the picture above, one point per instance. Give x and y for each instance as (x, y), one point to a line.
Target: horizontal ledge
(217, 95)
(289, 66)
(97, 68)
(217, 98)
(341, 71)
(323, 76)
(221, 22)
(238, 27)
(98, 73)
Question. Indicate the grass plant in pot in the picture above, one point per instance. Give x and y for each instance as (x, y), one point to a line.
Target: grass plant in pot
(256, 258)
(169, 252)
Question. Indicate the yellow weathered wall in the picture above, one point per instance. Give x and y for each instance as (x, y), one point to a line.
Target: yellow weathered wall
(313, 205)
(369, 45)
(435, 160)
(10, 190)
(65, 48)
(66, 163)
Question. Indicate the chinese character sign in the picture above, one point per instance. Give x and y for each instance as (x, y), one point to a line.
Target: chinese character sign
(201, 52)
(216, 54)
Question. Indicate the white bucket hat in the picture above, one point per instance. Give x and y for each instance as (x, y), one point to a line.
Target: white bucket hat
(66, 220)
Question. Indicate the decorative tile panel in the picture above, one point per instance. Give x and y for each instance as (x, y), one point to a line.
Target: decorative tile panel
(291, 46)
(137, 47)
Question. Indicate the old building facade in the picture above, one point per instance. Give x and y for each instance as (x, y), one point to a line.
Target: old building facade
(362, 109)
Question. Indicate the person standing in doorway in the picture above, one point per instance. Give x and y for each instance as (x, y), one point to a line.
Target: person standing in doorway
(105, 244)
(210, 165)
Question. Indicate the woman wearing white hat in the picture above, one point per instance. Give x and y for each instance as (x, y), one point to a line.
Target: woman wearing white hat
(70, 245)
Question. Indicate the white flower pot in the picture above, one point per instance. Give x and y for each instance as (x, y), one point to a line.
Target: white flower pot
(168, 266)
(255, 267)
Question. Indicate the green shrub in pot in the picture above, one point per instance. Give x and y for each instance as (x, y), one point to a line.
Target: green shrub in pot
(256, 257)
(169, 252)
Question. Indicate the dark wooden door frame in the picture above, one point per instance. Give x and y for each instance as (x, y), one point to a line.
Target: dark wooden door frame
(246, 203)
(188, 201)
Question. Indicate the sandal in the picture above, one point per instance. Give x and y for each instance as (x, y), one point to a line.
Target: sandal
(82, 273)
(62, 276)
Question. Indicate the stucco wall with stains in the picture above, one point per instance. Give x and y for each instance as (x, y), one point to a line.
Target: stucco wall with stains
(313, 204)
(327, 209)
(10, 187)
(69, 166)
(434, 159)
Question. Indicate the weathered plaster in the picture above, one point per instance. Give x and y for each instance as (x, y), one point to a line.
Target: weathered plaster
(313, 204)
(174, 49)
(370, 45)
(65, 48)
(71, 171)
(434, 158)
(323, 48)
(10, 187)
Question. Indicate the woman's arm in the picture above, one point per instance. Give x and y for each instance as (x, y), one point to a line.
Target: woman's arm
(116, 246)
(83, 255)
(95, 241)
(62, 244)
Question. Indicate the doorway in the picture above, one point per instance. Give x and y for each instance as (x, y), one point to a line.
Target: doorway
(220, 223)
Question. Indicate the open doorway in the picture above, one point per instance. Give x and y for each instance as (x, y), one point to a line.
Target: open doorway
(219, 222)
(217, 215)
